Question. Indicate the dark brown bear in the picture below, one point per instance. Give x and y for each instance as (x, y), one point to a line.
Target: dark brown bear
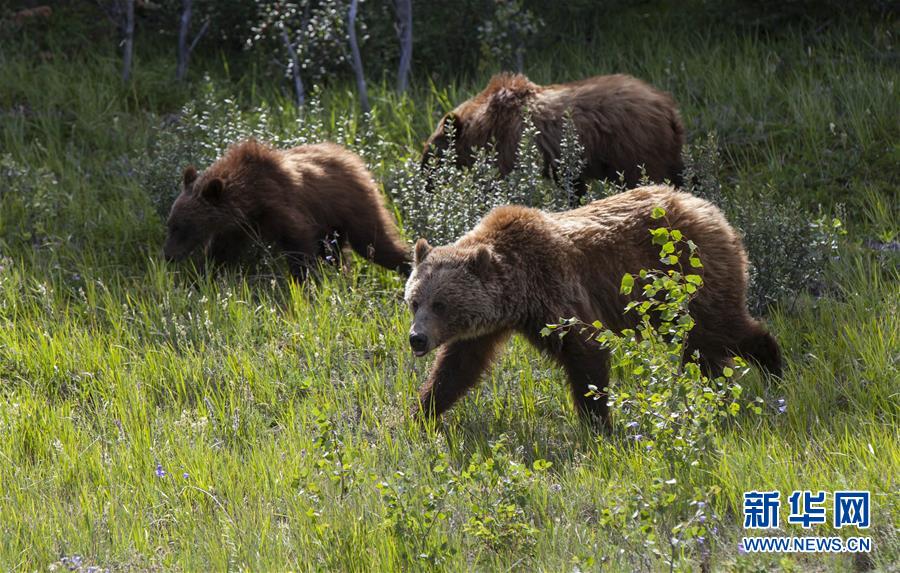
(293, 199)
(622, 122)
(521, 269)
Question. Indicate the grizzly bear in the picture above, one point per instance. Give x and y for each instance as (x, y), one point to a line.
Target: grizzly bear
(293, 199)
(520, 269)
(623, 123)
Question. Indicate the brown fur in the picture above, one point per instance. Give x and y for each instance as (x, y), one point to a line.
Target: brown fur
(622, 122)
(521, 269)
(291, 198)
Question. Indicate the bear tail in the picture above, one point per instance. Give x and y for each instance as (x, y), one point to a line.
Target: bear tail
(761, 348)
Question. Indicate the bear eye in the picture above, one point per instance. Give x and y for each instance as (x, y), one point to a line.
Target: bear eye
(438, 306)
(415, 305)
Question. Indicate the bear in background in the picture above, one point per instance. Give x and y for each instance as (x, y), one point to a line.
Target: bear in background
(622, 122)
(293, 199)
(520, 269)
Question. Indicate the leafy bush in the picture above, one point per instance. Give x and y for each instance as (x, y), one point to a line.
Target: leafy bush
(491, 490)
(442, 202)
(671, 409)
(788, 247)
(506, 35)
(32, 202)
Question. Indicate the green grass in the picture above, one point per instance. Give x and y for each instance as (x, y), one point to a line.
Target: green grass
(277, 410)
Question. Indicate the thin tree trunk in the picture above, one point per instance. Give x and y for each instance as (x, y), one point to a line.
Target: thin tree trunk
(129, 39)
(185, 50)
(183, 29)
(403, 9)
(295, 68)
(357, 59)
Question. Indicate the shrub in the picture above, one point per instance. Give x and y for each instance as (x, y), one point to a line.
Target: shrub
(443, 201)
(488, 496)
(788, 246)
(32, 202)
(671, 409)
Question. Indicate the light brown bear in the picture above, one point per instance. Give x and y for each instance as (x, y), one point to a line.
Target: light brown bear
(521, 269)
(622, 122)
(293, 199)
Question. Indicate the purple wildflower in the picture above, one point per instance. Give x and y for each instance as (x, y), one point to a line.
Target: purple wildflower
(160, 472)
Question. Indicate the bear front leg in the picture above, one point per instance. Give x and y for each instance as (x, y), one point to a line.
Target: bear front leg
(457, 368)
(587, 365)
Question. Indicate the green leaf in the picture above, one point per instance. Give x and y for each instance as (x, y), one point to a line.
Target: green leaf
(660, 235)
(627, 283)
(658, 213)
(676, 234)
(541, 465)
(695, 262)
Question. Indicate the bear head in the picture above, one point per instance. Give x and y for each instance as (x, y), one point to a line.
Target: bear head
(454, 293)
(200, 211)
(449, 130)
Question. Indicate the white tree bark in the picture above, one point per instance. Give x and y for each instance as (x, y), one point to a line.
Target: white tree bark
(295, 68)
(357, 59)
(184, 28)
(129, 40)
(403, 10)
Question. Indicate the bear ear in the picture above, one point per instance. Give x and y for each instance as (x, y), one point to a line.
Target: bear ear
(189, 176)
(421, 251)
(451, 119)
(482, 263)
(213, 190)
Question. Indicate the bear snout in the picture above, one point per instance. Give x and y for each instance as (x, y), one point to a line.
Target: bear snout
(172, 254)
(419, 343)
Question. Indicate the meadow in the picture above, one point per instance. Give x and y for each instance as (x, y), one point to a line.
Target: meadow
(154, 416)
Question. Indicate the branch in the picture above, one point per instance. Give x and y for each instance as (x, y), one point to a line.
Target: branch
(199, 35)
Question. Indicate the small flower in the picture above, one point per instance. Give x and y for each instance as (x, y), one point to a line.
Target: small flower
(741, 547)
(637, 437)
(782, 406)
(160, 472)
(631, 425)
(185, 475)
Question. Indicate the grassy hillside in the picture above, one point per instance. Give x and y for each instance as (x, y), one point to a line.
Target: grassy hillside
(155, 417)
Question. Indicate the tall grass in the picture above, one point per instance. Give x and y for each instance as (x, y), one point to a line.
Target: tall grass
(153, 417)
